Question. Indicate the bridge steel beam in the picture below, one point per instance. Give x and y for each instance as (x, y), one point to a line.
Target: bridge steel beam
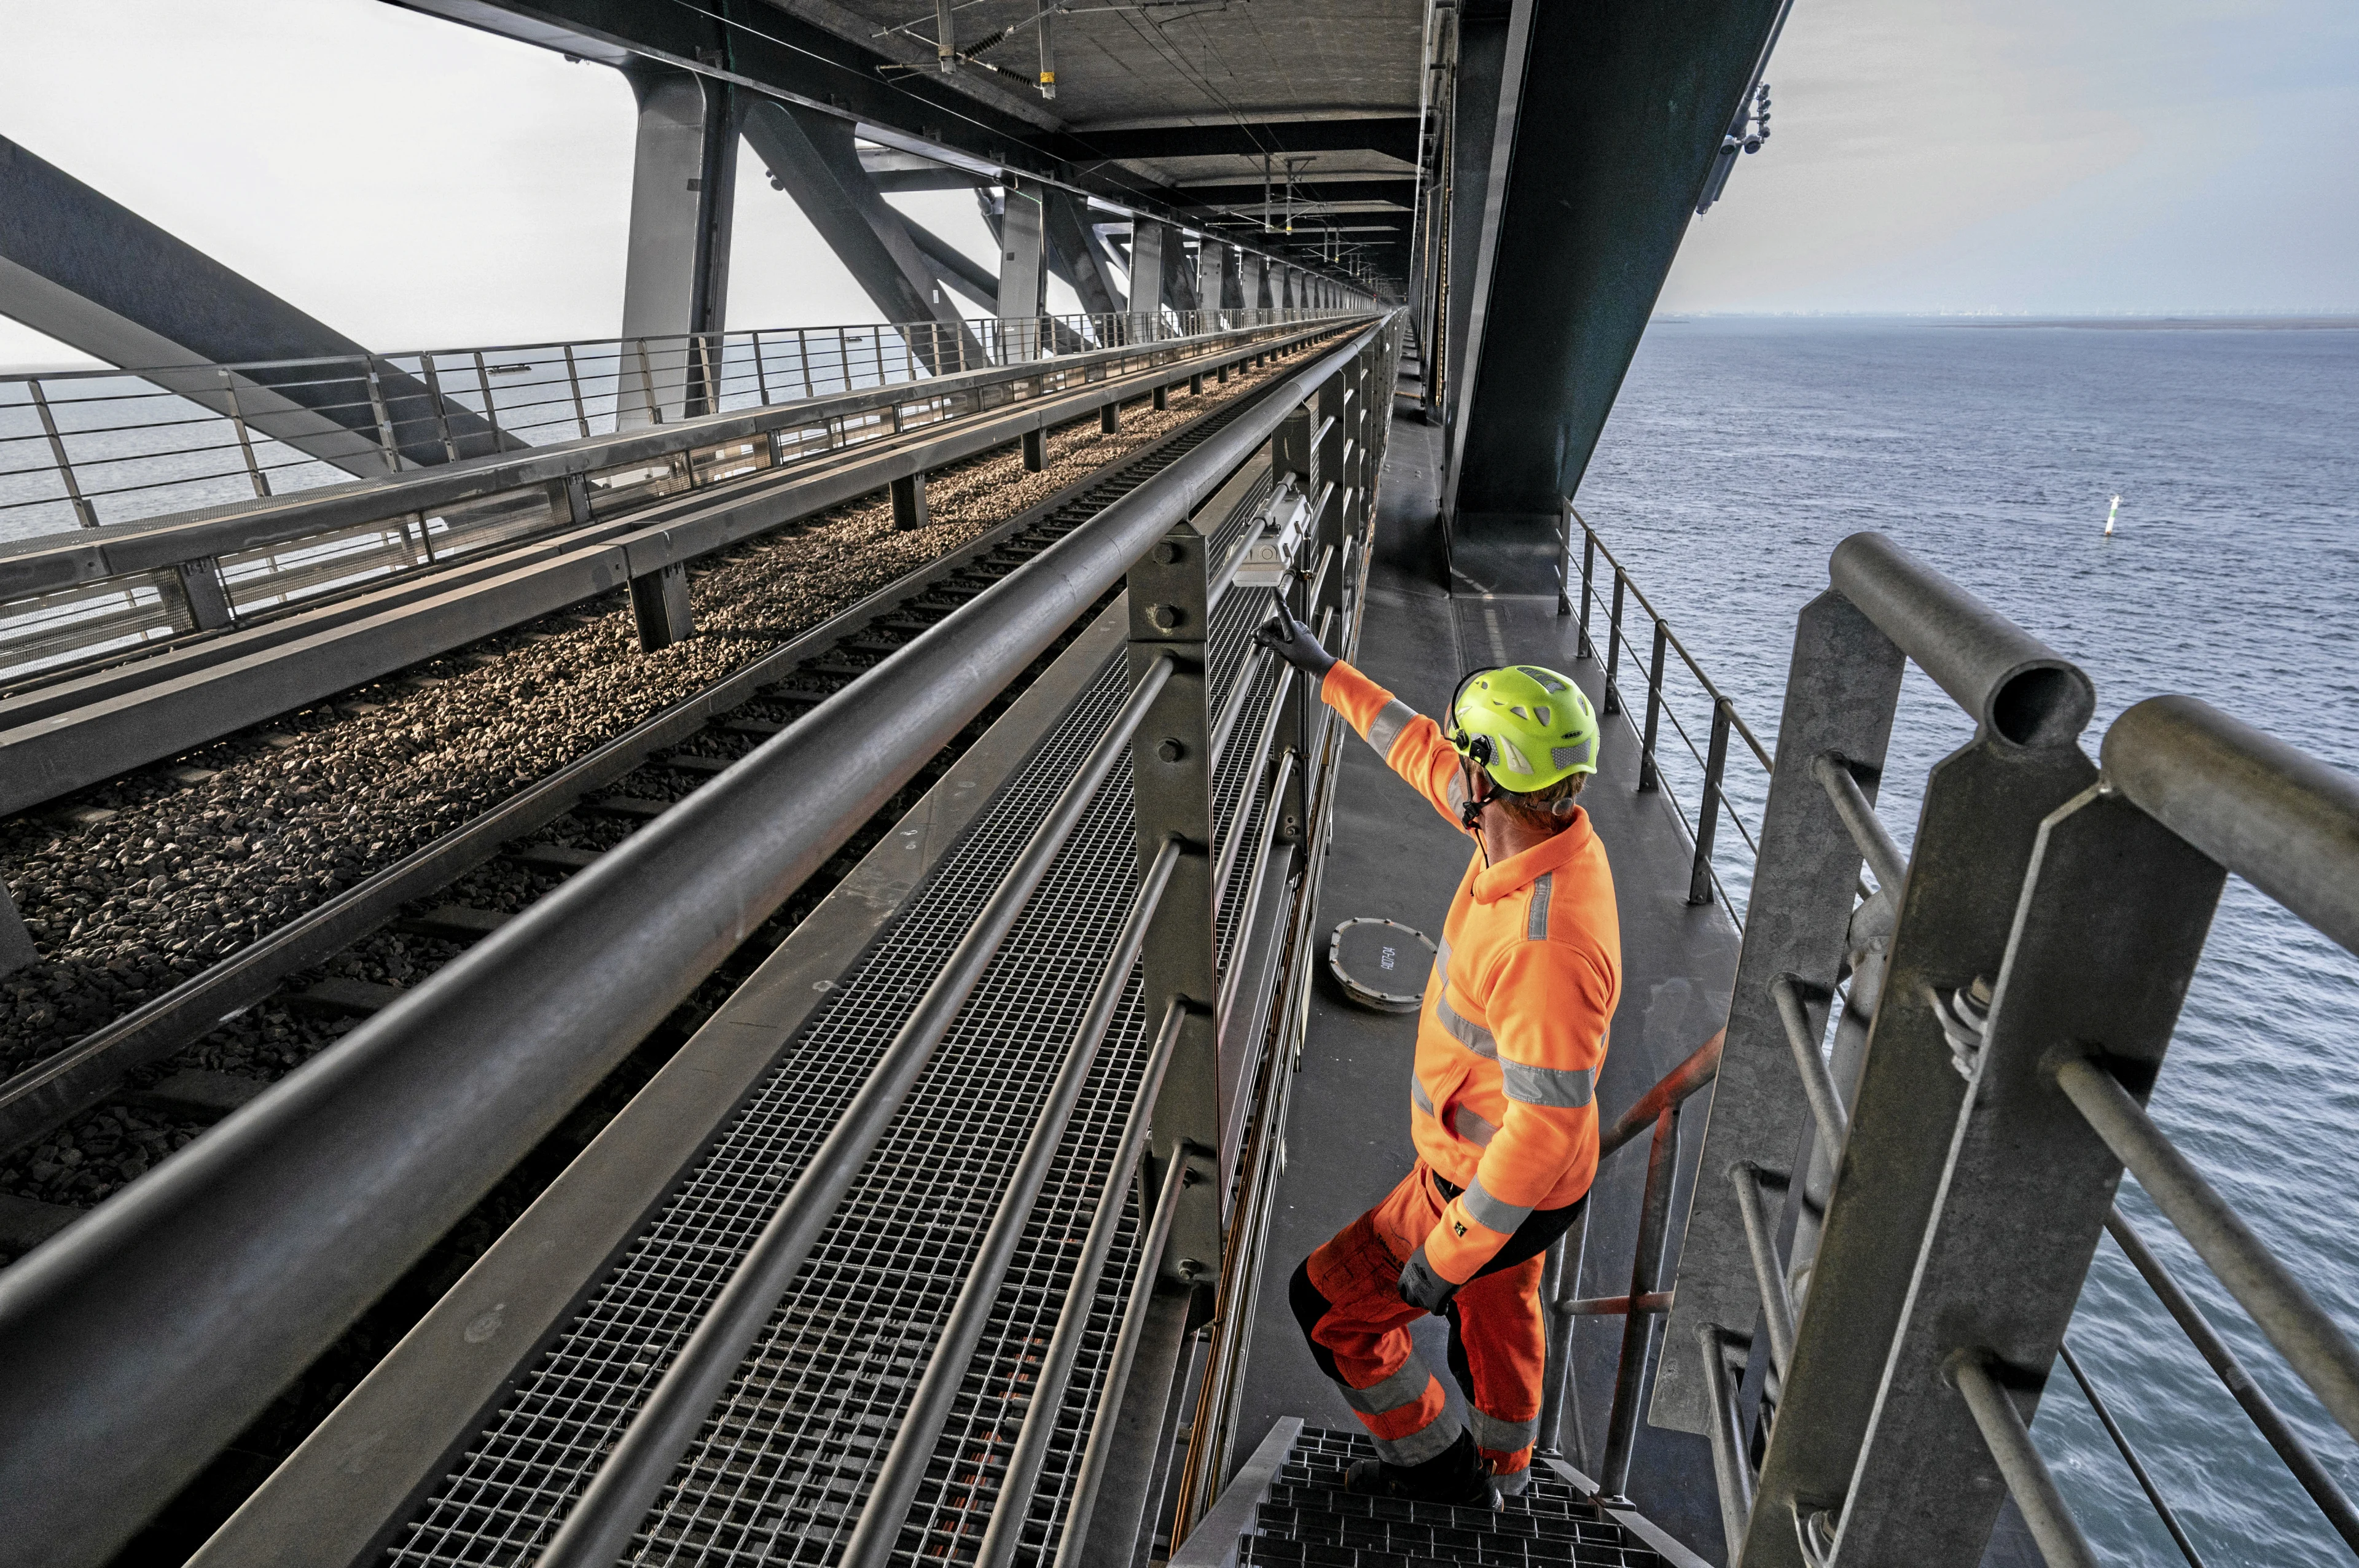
(1076, 256)
(683, 183)
(89, 272)
(1580, 227)
(1023, 273)
(811, 156)
(797, 62)
(954, 268)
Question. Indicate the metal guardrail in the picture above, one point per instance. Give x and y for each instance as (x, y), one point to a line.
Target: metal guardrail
(2010, 990)
(101, 446)
(123, 1374)
(69, 598)
(1703, 823)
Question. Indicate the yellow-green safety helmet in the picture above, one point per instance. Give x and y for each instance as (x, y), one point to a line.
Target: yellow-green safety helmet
(1528, 727)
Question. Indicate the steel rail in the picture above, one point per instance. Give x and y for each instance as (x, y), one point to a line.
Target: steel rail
(1056, 1370)
(2012, 684)
(2162, 1509)
(1099, 1446)
(2284, 821)
(2310, 1340)
(877, 1534)
(2051, 1523)
(2275, 1430)
(1695, 669)
(600, 1526)
(36, 1099)
(126, 1374)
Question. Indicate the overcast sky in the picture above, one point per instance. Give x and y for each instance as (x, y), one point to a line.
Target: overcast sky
(414, 183)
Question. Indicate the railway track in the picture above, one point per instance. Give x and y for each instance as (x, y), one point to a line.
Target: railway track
(128, 1094)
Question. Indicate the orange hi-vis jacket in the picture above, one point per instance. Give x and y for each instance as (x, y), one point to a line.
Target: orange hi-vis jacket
(1513, 1031)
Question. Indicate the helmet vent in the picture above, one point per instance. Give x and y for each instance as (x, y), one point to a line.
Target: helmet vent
(1572, 756)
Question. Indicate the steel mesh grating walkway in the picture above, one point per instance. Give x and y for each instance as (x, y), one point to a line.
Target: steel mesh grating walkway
(780, 1472)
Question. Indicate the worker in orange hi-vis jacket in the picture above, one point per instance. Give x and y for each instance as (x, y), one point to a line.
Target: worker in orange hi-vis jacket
(1502, 1104)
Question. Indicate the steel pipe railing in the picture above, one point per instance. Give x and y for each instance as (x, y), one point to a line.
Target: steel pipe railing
(2319, 1352)
(2051, 1523)
(2275, 1430)
(1099, 1445)
(877, 1534)
(1818, 1081)
(1732, 1473)
(1877, 846)
(600, 1526)
(329, 415)
(124, 1375)
(1000, 1537)
(1638, 1328)
(2282, 820)
(2014, 686)
(1761, 1241)
(2162, 1510)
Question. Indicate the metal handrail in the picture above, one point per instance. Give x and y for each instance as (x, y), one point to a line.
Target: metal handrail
(124, 1375)
(318, 418)
(68, 599)
(2252, 805)
(1704, 877)
(599, 1526)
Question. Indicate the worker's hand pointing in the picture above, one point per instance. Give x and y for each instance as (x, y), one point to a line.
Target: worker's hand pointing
(1421, 1287)
(1290, 639)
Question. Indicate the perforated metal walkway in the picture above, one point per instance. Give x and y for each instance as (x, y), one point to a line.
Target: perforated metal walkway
(779, 1474)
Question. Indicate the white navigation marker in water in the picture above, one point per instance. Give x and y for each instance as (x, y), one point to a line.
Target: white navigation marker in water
(2110, 513)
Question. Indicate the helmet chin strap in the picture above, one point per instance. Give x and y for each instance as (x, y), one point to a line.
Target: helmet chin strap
(1470, 811)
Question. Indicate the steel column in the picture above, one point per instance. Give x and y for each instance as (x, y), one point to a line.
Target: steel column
(1147, 241)
(2106, 934)
(810, 156)
(1171, 782)
(676, 282)
(1023, 281)
(1840, 691)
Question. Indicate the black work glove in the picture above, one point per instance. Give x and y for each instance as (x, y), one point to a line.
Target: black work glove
(1290, 639)
(1421, 1287)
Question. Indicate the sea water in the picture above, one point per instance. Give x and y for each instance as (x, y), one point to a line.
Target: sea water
(1742, 451)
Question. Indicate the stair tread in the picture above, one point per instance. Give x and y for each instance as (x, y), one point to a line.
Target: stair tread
(1308, 1519)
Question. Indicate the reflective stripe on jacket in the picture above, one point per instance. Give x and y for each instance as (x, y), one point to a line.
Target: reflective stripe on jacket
(1512, 1030)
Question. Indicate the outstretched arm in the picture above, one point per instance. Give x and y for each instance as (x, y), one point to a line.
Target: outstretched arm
(1410, 744)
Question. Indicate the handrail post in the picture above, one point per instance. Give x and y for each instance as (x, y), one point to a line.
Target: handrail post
(1639, 1328)
(1613, 644)
(1708, 808)
(83, 513)
(1588, 576)
(1564, 556)
(245, 441)
(761, 375)
(1171, 787)
(385, 439)
(1649, 774)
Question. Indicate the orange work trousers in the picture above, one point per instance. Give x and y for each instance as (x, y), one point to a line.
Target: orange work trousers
(1346, 1295)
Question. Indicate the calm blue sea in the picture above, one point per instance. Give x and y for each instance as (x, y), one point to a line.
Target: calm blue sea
(1741, 451)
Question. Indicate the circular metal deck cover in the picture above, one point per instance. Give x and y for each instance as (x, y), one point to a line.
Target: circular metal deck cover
(1381, 964)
